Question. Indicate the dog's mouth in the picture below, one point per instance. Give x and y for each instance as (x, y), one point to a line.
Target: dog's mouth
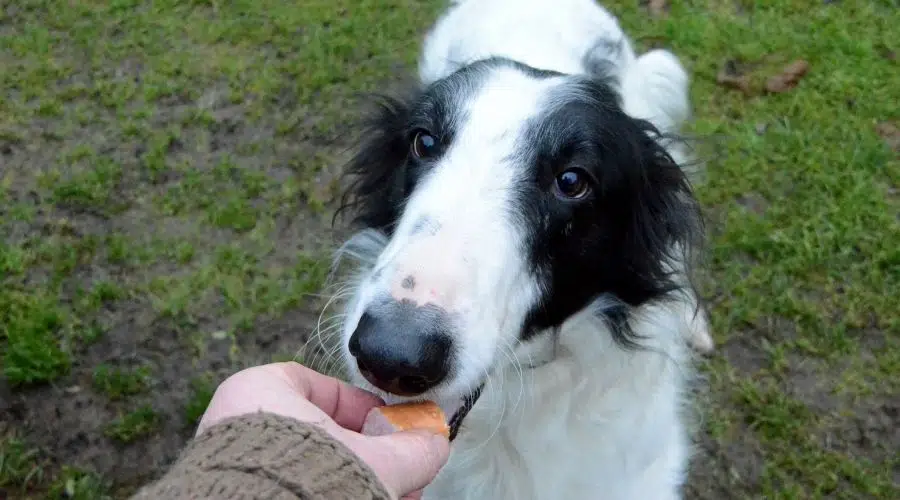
(457, 417)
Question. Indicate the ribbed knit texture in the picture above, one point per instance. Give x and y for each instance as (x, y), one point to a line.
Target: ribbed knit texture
(262, 455)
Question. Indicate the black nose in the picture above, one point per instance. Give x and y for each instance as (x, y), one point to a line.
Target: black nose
(401, 348)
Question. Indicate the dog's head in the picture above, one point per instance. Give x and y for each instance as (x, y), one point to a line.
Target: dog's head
(509, 199)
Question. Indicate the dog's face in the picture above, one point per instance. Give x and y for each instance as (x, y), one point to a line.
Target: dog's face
(511, 199)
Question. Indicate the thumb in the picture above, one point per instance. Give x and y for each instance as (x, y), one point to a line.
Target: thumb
(405, 461)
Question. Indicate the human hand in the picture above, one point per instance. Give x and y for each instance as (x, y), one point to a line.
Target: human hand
(405, 461)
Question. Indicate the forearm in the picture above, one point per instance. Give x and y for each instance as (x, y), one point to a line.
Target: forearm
(264, 455)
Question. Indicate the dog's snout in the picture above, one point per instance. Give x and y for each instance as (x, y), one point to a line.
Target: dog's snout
(401, 348)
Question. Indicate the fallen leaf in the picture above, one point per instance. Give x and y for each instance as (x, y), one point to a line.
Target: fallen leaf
(731, 76)
(658, 8)
(788, 78)
(891, 135)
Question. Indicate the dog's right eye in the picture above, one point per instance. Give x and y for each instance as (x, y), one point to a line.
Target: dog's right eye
(573, 184)
(424, 145)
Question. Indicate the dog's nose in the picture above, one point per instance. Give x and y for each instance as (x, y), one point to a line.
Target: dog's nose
(401, 348)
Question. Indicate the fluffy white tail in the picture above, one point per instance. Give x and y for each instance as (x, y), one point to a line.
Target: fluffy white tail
(655, 88)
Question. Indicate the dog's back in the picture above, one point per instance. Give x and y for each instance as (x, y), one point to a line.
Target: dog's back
(596, 421)
(568, 36)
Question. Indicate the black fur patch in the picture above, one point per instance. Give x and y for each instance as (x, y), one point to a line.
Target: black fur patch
(616, 240)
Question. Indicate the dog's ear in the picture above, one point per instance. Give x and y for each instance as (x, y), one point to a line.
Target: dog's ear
(377, 169)
(662, 221)
(649, 205)
(646, 205)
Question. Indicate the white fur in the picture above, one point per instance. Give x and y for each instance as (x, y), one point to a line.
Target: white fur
(567, 416)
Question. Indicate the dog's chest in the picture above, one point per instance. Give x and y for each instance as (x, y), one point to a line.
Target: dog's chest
(492, 464)
(522, 447)
(551, 432)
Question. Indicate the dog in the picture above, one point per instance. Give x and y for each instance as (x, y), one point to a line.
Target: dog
(527, 232)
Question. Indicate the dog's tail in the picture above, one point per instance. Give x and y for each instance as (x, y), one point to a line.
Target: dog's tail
(657, 90)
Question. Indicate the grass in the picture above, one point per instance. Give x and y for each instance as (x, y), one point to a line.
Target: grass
(118, 383)
(165, 175)
(22, 470)
(134, 425)
(18, 464)
(32, 325)
(77, 484)
(202, 390)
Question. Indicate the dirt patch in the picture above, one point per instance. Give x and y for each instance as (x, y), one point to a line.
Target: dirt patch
(872, 431)
(804, 381)
(726, 468)
(891, 135)
(744, 353)
(71, 421)
(208, 332)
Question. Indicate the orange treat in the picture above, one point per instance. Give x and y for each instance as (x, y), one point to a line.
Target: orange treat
(425, 415)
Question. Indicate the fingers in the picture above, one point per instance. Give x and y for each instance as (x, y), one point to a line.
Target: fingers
(346, 404)
(405, 462)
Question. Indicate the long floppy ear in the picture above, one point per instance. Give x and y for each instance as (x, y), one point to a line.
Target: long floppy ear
(658, 223)
(378, 167)
(664, 221)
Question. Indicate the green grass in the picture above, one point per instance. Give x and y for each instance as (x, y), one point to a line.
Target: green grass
(77, 484)
(118, 383)
(135, 425)
(32, 326)
(202, 390)
(19, 464)
(166, 168)
(23, 469)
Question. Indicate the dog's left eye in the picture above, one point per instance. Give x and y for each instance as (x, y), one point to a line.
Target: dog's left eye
(573, 184)
(424, 145)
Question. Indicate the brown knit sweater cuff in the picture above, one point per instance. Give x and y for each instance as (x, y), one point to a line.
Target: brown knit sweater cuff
(263, 455)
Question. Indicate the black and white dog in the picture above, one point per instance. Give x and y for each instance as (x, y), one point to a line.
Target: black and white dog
(525, 260)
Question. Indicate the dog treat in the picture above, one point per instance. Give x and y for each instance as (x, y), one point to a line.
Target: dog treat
(425, 415)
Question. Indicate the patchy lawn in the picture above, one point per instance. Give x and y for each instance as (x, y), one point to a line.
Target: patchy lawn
(166, 171)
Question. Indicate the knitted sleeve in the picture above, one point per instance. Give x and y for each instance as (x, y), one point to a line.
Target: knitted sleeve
(263, 455)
